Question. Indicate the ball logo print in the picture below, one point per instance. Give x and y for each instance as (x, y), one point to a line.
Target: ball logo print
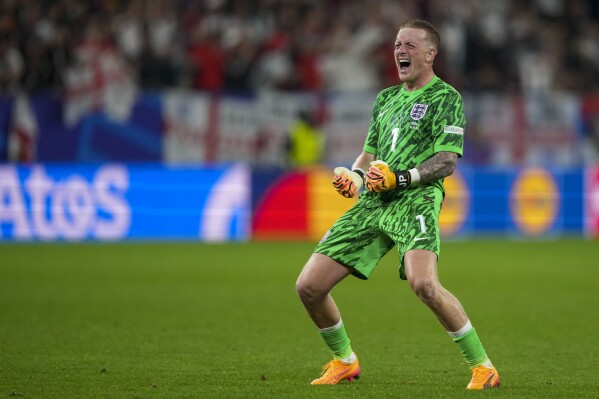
(534, 201)
(456, 205)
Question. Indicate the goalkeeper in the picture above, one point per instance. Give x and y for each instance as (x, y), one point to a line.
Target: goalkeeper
(414, 140)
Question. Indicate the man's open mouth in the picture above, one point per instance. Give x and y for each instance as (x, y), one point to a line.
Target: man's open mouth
(404, 65)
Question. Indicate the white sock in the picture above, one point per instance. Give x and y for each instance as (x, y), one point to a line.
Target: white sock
(332, 328)
(350, 359)
(462, 331)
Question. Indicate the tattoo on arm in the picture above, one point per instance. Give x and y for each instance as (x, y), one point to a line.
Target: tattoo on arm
(440, 165)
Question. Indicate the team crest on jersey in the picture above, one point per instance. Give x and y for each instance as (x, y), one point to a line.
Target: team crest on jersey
(418, 111)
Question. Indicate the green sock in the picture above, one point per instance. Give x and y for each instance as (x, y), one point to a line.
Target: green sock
(337, 340)
(472, 349)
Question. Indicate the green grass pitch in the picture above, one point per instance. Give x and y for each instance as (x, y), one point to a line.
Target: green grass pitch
(191, 320)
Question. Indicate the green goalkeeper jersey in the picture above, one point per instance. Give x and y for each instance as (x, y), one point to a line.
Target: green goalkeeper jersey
(407, 128)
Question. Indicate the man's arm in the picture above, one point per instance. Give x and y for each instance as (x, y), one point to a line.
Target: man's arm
(440, 165)
(363, 161)
(381, 178)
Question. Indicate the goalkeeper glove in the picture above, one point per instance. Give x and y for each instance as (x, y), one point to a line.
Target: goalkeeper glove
(348, 182)
(380, 178)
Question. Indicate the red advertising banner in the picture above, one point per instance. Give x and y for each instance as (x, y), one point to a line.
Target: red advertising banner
(300, 205)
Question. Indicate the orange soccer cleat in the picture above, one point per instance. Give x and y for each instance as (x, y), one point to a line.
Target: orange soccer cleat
(336, 371)
(484, 378)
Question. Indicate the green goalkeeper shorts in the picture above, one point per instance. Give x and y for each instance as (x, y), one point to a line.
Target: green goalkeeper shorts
(364, 234)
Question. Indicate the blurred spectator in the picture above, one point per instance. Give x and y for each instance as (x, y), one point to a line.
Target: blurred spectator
(275, 68)
(128, 29)
(207, 59)
(11, 66)
(346, 60)
(503, 46)
(155, 71)
(590, 129)
(98, 77)
(306, 141)
(240, 61)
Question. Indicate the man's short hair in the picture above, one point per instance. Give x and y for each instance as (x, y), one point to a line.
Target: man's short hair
(433, 33)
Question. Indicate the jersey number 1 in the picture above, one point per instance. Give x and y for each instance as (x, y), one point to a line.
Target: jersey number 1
(395, 134)
(420, 218)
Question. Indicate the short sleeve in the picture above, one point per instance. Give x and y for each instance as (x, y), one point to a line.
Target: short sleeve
(372, 138)
(449, 124)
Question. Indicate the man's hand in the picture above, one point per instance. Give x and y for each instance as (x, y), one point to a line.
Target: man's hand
(380, 178)
(348, 182)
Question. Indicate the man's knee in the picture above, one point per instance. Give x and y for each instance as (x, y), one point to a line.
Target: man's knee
(308, 291)
(318, 277)
(428, 290)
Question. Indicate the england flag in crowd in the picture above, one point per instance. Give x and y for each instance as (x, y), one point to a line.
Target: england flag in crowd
(22, 138)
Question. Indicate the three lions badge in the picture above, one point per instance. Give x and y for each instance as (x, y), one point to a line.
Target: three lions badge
(418, 111)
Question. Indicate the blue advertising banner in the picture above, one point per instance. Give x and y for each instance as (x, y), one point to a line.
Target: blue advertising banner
(530, 202)
(117, 201)
(112, 201)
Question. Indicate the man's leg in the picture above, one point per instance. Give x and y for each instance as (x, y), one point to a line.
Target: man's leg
(421, 271)
(313, 286)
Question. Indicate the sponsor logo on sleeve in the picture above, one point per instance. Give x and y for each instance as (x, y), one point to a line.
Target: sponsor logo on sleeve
(453, 130)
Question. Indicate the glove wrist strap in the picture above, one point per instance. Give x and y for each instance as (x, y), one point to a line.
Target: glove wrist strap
(360, 173)
(403, 179)
(406, 178)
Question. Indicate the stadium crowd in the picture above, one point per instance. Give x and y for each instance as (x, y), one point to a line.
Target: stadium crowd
(299, 45)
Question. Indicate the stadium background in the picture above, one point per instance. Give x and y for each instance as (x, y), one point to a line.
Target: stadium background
(153, 219)
(119, 117)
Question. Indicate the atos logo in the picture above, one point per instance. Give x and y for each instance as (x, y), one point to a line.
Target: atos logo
(71, 208)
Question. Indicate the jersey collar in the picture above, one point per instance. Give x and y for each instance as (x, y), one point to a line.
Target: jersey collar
(420, 90)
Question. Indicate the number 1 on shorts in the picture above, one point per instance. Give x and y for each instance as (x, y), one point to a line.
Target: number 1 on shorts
(420, 218)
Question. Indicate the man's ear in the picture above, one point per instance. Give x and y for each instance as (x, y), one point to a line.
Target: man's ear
(430, 55)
